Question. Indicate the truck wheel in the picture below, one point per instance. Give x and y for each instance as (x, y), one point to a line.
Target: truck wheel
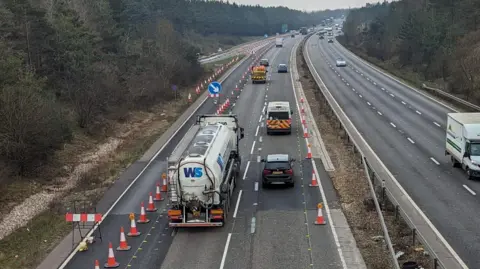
(454, 162)
(469, 174)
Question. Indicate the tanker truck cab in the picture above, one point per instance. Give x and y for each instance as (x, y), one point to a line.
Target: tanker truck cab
(279, 118)
(203, 170)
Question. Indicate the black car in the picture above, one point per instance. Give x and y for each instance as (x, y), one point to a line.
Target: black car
(264, 62)
(330, 40)
(322, 37)
(278, 169)
(293, 35)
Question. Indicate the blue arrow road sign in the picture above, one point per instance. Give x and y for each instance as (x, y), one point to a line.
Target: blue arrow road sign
(214, 87)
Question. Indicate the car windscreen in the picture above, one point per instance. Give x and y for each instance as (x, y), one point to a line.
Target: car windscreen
(283, 115)
(277, 165)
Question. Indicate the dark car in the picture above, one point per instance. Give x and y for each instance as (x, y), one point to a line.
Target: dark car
(330, 40)
(321, 37)
(278, 169)
(264, 62)
(282, 68)
(293, 35)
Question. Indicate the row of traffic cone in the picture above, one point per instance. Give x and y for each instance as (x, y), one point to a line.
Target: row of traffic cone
(320, 220)
(134, 232)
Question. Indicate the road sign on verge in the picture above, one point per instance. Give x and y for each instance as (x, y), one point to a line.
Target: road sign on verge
(214, 88)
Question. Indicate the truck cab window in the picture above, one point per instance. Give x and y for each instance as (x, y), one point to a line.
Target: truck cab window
(474, 149)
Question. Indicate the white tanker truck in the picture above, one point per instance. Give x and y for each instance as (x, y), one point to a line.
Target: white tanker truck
(202, 171)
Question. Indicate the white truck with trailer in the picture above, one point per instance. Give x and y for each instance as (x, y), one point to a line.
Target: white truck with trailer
(463, 142)
(279, 42)
(202, 172)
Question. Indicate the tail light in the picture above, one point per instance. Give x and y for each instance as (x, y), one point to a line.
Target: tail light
(290, 121)
(266, 171)
(289, 171)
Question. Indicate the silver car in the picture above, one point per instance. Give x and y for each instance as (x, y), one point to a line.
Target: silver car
(282, 68)
(341, 62)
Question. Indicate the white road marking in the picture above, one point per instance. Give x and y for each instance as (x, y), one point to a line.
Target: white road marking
(383, 89)
(361, 74)
(256, 132)
(260, 139)
(369, 103)
(368, 79)
(379, 113)
(252, 227)
(435, 161)
(260, 119)
(393, 125)
(411, 141)
(392, 95)
(348, 84)
(259, 159)
(437, 124)
(360, 96)
(262, 124)
(404, 103)
(256, 186)
(374, 83)
(418, 112)
(263, 110)
(225, 250)
(246, 170)
(238, 203)
(469, 190)
(353, 90)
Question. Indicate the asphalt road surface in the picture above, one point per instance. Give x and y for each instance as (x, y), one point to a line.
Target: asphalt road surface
(268, 229)
(271, 228)
(407, 131)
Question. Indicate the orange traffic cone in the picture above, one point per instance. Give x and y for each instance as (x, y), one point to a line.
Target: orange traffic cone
(151, 206)
(143, 216)
(305, 132)
(133, 227)
(158, 194)
(309, 152)
(123, 241)
(320, 220)
(303, 119)
(97, 264)
(314, 180)
(164, 182)
(111, 262)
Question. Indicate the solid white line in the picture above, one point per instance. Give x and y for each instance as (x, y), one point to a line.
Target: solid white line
(238, 203)
(256, 186)
(246, 170)
(411, 141)
(73, 253)
(393, 125)
(469, 190)
(256, 132)
(418, 112)
(435, 161)
(253, 146)
(225, 250)
(437, 124)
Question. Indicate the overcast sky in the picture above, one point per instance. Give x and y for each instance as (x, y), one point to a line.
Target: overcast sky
(309, 5)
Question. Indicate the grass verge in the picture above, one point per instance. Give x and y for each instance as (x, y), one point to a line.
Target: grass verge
(350, 182)
(28, 246)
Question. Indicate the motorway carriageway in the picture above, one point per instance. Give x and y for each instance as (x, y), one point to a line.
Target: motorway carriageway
(407, 131)
(269, 228)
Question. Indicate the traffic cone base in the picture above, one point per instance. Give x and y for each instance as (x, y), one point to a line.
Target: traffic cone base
(143, 221)
(134, 234)
(143, 215)
(151, 206)
(124, 249)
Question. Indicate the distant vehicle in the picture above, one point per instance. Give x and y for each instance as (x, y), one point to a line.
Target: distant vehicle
(282, 68)
(203, 171)
(292, 36)
(330, 34)
(278, 168)
(259, 74)
(279, 117)
(278, 42)
(341, 62)
(321, 37)
(330, 40)
(303, 30)
(264, 62)
(463, 142)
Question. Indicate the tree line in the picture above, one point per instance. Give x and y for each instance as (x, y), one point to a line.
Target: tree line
(70, 66)
(438, 39)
